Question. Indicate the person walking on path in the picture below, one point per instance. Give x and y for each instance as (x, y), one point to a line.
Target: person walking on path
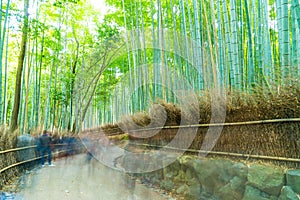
(132, 164)
(45, 142)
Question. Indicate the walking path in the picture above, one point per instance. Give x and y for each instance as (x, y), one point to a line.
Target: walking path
(75, 179)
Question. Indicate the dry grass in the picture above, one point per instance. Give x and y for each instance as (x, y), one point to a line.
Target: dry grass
(7, 141)
(277, 139)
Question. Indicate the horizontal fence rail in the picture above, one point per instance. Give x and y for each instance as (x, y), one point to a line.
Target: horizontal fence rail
(230, 154)
(262, 157)
(33, 159)
(18, 149)
(24, 148)
(257, 122)
(26, 161)
(267, 121)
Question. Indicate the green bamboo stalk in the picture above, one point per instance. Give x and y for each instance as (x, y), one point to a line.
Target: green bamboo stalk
(39, 81)
(296, 5)
(221, 48)
(250, 68)
(146, 69)
(25, 30)
(185, 43)
(156, 56)
(2, 38)
(6, 77)
(214, 47)
(23, 102)
(229, 54)
(159, 54)
(234, 42)
(241, 38)
(128, 53)
(294, 41)
(267, 60)
(135, 56)
(175, 46)
(28, 86)
(280, 38)
(31, 116)
(212, 79)
(47, 106)
(2, 32)
(64, 85)
(295, 10)
(285, 40)
(254, 24)
(190, 47)
(198, 54)
(259, 45)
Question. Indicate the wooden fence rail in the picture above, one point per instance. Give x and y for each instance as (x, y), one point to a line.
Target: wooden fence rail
(17, 149)
(229, 154)
(25, 161)
(23, 148)
(29, 160)
(257, 122)
(267, 121)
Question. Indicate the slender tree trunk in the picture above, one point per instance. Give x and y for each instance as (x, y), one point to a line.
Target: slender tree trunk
(39, 70)
(47, 106)
(74, 66)
(5, 79)
(296, 5)
(1, 55)
(15, 112)
(27, 91)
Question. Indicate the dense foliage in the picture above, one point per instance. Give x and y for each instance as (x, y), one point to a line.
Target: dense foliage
(65, 65)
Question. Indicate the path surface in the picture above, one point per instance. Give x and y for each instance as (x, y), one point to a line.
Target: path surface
(74, 179)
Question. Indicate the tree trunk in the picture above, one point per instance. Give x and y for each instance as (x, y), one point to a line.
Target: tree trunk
(15, 112)
(73, 79)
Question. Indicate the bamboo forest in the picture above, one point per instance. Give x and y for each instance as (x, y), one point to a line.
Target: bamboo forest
(48, 47)
(195, 78)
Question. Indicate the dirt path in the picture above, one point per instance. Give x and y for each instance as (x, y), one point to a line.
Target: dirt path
(74, 179)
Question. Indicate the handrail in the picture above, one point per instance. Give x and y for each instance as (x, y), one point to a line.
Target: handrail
(25, 161)
(224, 153)
(266, 121)
(17, 149)
(27, 147)
(30, 160)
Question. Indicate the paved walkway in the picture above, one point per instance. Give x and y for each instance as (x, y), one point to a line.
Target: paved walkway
(74, 179)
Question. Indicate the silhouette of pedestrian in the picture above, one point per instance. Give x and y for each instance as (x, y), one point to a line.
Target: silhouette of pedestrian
(45, 142)
(132, 163)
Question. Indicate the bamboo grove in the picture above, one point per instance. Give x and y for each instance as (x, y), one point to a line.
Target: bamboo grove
(67, 66)
(243, 45)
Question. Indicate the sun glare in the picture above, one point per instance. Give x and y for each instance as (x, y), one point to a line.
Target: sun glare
(99, 4)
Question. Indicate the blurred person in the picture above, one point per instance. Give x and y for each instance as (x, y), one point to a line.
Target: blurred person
(38, 147)
(45, 144)
(103, 145)
(70, 146)
(132, 162)
(25, 140)
(90, 154)
(55, 141)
